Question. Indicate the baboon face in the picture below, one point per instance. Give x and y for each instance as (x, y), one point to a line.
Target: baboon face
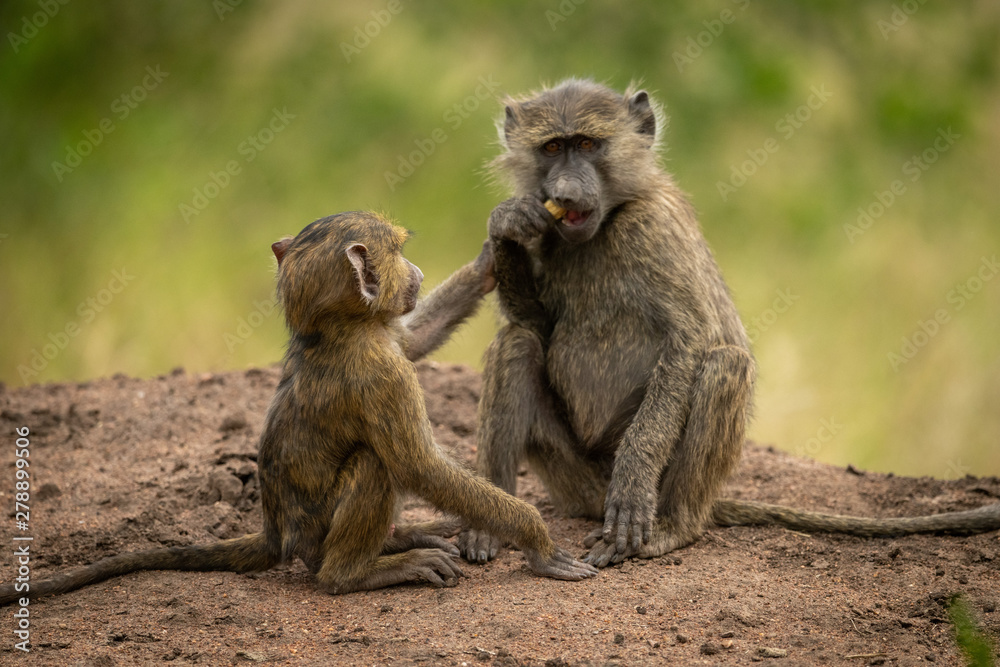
(573, 181)
(582, 145)
(350, 264)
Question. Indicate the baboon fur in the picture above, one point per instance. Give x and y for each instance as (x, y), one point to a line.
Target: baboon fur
(623, 375)
(347, 433)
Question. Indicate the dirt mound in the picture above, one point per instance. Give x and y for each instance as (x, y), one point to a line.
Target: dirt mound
(125, 464)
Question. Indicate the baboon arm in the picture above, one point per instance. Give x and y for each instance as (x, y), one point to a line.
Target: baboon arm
(405, 443)
(646, 447)
(518, 290)
(448, 305)
(455, 490)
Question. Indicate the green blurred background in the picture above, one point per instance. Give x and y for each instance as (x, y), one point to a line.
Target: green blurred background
(116, 116)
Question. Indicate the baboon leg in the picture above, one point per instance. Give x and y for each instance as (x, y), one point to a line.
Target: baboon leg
(521, 423)
(351, 559)
(576, 485)
(513, 390)
(702, 461)
(709, 451)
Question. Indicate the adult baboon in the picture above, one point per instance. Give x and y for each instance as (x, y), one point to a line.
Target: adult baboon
(623, 375)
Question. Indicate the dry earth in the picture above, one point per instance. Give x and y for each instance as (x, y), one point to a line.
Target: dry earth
(124, 464)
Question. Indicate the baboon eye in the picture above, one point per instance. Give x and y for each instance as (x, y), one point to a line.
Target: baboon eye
(552, 147)
(586, 144)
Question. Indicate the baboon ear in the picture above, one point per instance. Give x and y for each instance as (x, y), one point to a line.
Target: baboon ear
(279, 248)
(509, 121)
(640, 108)
(357, 253)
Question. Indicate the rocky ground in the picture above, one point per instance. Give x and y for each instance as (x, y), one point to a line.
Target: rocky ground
(125, 464)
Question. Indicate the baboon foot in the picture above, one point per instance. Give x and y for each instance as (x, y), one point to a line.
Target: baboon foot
(661, 541)
(478, 546)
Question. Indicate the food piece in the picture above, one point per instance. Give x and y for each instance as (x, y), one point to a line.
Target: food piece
(557, 212)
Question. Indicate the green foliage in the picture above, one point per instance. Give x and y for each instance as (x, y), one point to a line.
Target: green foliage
(977, 647)
(402, 119)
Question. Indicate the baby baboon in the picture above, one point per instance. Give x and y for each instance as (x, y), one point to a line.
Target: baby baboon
(347, 432)
(624, 375)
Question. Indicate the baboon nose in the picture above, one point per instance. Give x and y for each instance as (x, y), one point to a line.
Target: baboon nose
(567, 193)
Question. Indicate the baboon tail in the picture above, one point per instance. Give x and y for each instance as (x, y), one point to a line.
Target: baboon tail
(727, 512)
(242, 554)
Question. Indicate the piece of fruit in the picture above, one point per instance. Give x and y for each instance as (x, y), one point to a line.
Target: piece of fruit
(557, 212)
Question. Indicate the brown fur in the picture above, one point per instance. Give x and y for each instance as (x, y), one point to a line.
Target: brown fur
(624, 375)
(347, 433)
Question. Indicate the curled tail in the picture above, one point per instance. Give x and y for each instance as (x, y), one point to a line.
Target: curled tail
(242, 554)
(727, 512)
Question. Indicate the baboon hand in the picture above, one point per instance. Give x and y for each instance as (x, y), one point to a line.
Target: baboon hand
(628, 510)
(601, 553)
(519, 219)
(478, 546)
(484, 268)
(561, 565)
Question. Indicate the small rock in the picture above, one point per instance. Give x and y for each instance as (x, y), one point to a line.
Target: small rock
(619, 638)
(769, 652)
(252, 656)
(653, 644)
(234, 422)
(640, 610)
(230, 488)
(48, 490)
(708, 648)
(682, 639)
(727, 634)
(854, 471)
(727, 644)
